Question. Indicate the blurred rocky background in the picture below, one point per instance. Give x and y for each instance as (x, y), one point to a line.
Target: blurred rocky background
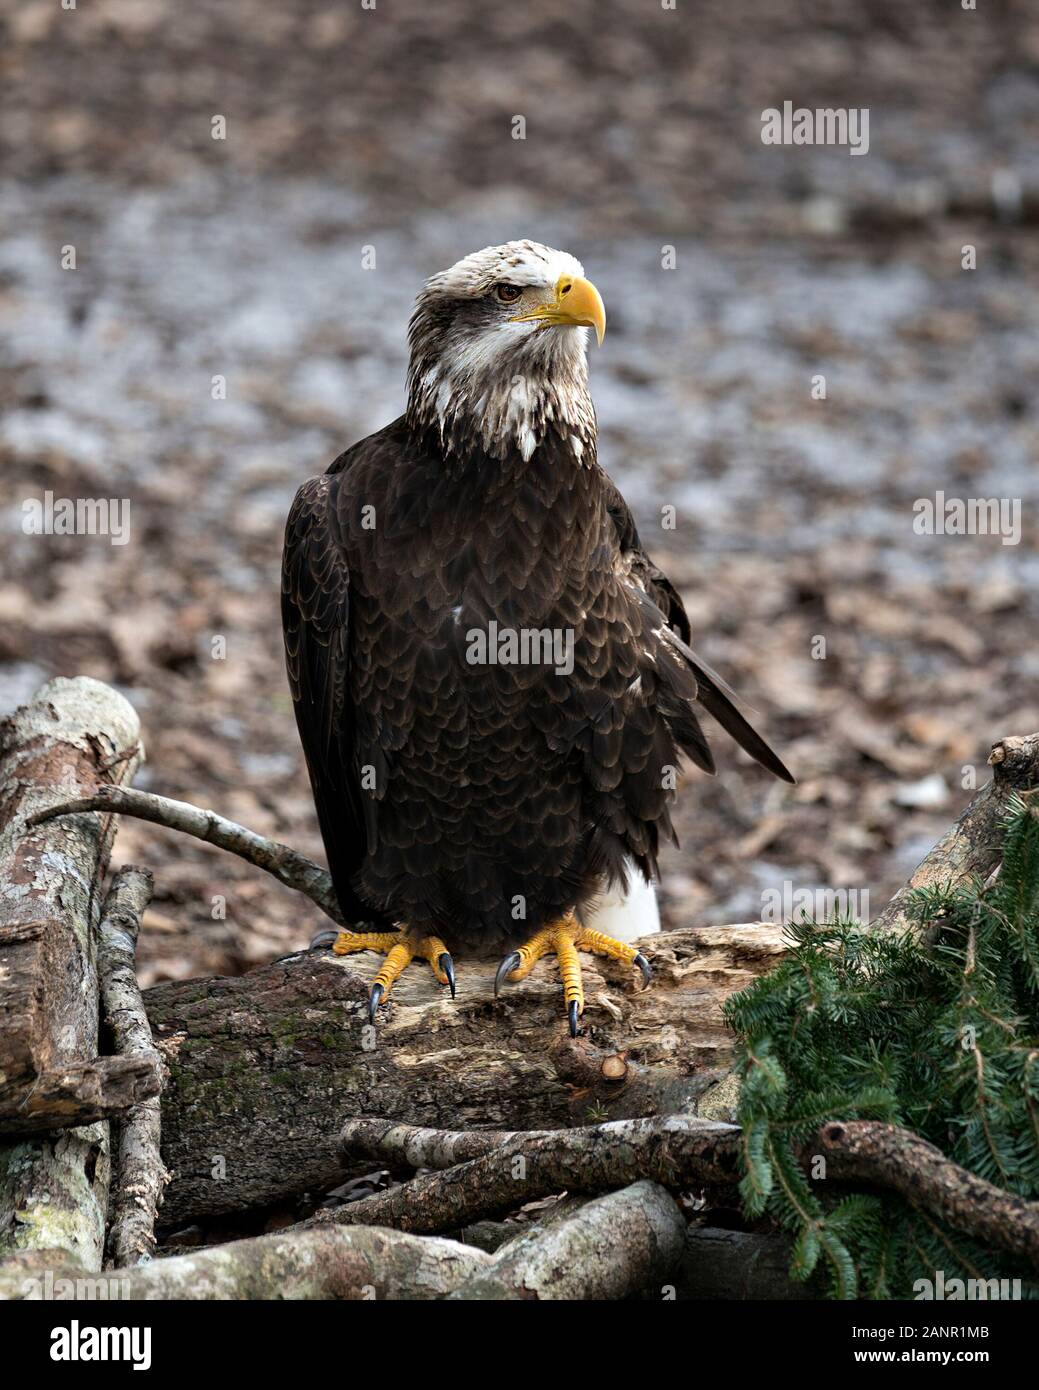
(882, 662)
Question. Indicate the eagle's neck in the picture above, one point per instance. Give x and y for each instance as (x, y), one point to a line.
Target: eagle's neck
(506, 408)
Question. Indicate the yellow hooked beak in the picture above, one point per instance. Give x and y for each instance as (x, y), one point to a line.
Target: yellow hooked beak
(576, 302)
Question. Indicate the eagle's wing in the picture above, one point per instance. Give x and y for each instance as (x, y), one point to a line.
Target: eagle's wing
(712, 692)
(315, 606)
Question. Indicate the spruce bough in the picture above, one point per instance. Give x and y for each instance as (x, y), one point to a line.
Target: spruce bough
(942, 1039)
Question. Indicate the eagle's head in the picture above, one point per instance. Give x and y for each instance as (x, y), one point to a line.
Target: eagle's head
(498, 351)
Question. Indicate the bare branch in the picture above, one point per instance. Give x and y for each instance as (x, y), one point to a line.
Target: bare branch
(668, 1149)
(139, 1172)
(285, 864)
(865, 1150)
(677, 1151)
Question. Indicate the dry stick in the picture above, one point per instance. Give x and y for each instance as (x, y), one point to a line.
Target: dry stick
(287, 865)
(140, 1174)
(524, 1168)
(614, 1246)
(675, 1150)
(417, 1146)
(329, 1263)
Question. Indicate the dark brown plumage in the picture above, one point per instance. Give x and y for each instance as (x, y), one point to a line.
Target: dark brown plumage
(447, 792)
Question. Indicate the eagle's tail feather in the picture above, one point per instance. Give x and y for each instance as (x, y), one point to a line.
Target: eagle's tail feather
(719, 700)
(712, 695)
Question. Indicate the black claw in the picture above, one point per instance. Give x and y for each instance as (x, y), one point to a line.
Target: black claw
(322, 939)
(644, 965)
(506, 968)
(571, 1013)
(374, 1000)
(447, 966)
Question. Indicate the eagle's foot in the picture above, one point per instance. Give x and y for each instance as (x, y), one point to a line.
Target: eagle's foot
(400, 948)
(565, 938)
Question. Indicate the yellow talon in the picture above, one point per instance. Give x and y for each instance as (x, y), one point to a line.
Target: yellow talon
(400, 948)
(565, 938)
(381, 941)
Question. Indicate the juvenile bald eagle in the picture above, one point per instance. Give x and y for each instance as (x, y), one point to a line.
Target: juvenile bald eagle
(492, 680)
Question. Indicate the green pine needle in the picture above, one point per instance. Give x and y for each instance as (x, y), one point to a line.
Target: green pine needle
(942, 1039)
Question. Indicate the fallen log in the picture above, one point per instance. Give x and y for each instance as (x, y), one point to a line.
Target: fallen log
(264, 1068)
(315, 1265)
(627, 1242)
(53, 1191)
(73, 733)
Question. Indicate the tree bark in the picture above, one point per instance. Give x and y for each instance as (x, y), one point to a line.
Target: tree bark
(362, 1264)
(722, 1264)
(140, 1175)
(626, 1242)
(265, 1068)
(53, 1191)
(72, 734)
(972, 848)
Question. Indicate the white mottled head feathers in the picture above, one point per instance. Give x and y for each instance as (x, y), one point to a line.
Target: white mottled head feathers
(480, 378)
(525, 263)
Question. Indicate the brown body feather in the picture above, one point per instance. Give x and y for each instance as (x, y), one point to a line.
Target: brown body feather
(480, 801)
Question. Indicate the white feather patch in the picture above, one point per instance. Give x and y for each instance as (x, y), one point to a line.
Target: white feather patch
(625, 916)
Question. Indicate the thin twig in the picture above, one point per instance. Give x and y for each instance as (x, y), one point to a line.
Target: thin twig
(287, 865)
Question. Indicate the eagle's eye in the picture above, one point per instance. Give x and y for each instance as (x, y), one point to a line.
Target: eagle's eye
(508, 294)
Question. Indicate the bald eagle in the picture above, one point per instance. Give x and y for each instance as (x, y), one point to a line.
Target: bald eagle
(492, 681)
